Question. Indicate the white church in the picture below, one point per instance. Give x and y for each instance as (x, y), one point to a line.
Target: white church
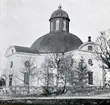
(58, 40)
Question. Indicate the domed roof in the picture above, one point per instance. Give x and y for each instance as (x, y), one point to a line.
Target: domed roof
(59, 13)
(56, 42)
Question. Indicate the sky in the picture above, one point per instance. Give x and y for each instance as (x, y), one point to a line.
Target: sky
(24, 21)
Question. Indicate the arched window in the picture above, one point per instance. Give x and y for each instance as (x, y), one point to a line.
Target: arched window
(51, 26)
(57, 25)
(64, 25)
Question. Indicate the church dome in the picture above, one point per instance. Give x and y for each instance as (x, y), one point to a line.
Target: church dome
(59, 13)
(57, 42)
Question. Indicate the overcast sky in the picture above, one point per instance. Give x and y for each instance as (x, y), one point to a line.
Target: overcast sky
(23, 21)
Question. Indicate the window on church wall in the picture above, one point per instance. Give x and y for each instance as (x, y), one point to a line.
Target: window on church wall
(49, 79)
(27, 64)
(51, 26)
(10, 80)
(90, 78)
(26, 78)
(11, 64)
(64, 25)
(57, 25)
(90, 48)
(90, 62)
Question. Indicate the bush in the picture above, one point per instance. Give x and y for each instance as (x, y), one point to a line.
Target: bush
(47, 91)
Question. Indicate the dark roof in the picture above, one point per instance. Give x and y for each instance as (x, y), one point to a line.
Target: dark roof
(25, 49)
(59, 13)
(57, 42)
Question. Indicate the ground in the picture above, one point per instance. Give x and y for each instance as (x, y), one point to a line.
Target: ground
(59, 100)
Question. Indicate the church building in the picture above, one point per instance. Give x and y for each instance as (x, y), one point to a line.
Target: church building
(58, 40)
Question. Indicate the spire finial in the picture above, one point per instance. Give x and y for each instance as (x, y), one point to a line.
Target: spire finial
(89, 38)
(59, 6)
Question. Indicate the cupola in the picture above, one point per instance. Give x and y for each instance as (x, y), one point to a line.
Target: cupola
(59, 21)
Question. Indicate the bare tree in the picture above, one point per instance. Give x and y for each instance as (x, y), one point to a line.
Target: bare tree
(102, 52)
(81, 75)
(103, 49)
(29, 72)
(62, 64)
(47, 76)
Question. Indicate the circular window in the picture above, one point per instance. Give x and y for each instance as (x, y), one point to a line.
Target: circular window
(90, 62)
(27, 63)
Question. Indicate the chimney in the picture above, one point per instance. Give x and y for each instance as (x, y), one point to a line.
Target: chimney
(89, 38)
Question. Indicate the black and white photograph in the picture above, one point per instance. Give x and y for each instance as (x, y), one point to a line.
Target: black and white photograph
(54, 52)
